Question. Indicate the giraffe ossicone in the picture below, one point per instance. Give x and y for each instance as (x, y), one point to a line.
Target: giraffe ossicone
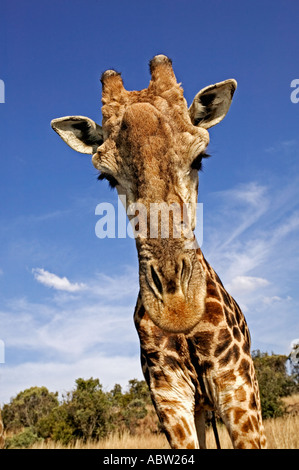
(195, 343)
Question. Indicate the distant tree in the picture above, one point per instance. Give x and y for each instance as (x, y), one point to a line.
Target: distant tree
(129, 407)
(274, 382)
(84, 414)
(28, 407)
(138, 389)
(57, 425)
(88, 412)
(88, 408)
(116, 393)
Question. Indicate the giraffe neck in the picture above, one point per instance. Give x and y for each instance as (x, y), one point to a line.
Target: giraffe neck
(212, 365)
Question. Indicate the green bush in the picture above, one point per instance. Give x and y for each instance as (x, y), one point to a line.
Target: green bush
(128, 408)
(87, 412)
(274, 382)
(57, 425)
(88, 409)
(83, 414)
(23, 440)
(28, 407)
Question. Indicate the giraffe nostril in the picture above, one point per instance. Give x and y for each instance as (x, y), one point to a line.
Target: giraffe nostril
(185, 274)
(183, 269)
(156, 280)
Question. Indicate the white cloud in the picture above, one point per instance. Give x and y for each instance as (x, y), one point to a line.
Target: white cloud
(237, 210)
(251, 240)
(56, 282)
(252, 194)
(66, 325)
(114, 288)
(283, 146)
(61, 376)
(252, 231)
(246, 284)
(88, 334)
(276, 298)
(287, 226)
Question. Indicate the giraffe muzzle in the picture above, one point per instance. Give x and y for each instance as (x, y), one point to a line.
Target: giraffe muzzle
(176, 283)
(171, 294)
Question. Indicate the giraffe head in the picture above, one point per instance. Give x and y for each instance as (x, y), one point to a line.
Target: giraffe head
(150, 147)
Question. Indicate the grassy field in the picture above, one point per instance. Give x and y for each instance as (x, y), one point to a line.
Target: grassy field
(282, 433)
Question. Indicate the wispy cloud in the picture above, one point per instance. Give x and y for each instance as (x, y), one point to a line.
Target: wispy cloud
(245, 284)
(83, 332)
(60, 376)
(282, 146)
(252, 242)
(276, 299)
(238, 209)
(252, 221)
(56, 282)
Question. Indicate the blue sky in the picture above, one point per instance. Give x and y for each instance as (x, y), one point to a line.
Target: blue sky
(67, 297)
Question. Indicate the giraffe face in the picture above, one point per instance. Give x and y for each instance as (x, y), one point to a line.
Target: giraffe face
(148, 153)
(150, 147)
(151, 150)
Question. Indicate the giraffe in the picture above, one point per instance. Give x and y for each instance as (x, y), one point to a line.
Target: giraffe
(194, 339)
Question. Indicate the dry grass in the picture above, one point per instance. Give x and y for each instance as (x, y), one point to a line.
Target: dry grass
(114, 441)
(282, 433)
(292, 403)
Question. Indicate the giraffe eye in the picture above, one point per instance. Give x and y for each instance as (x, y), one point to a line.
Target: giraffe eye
(197, 162)
(111, 180)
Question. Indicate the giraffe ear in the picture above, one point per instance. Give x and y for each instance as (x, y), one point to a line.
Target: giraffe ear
(80, 133)
(212, 103)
